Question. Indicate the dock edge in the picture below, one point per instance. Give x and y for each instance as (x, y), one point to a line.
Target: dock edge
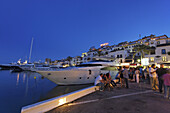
(52, 103)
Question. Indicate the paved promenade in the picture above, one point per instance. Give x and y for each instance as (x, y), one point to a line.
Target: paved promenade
(139, 98)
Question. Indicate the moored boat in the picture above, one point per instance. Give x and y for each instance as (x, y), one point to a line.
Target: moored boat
(84, 73)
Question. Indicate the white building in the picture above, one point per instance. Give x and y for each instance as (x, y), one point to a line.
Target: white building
(123, 52)
(119, 54)
(162, 54)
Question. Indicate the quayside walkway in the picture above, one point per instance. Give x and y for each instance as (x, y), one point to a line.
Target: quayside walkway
(139, 98)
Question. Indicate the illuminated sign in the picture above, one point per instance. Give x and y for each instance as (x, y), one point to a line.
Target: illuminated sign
(105, 44)
(145, 61)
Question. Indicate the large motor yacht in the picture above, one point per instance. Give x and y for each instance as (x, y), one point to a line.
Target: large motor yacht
(84, 73)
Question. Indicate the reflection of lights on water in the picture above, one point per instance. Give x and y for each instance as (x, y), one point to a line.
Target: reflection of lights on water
(62, 101)
(17, 79)
(26, 89)
(24, 78)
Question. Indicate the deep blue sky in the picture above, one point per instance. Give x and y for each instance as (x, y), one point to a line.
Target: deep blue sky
(64, 28)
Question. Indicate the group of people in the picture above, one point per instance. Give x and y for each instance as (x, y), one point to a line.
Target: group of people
(104, 80)
(157, 77)
(160, 77)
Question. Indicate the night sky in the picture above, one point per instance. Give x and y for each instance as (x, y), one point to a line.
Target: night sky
(64, 28)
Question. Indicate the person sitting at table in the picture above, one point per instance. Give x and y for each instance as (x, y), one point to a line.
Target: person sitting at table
(110, 79)
(99, 82)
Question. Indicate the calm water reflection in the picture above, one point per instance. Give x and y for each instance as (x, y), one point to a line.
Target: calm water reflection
(21, 89)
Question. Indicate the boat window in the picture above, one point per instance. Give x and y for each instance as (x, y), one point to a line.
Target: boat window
(94, 77)
(65, 78)
(80, 78)
(49, 73)
(88, 65)
(87, 77)
(89, 72)
(100, 61)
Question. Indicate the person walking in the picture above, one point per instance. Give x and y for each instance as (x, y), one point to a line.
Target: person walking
(160, 71)
(137, 75)
(130, 74)
(148, 74)
(145, 73)
(166, 78)
(140, 73)
(133, 71)
(153, 78)
(126, 76)
(121, 76)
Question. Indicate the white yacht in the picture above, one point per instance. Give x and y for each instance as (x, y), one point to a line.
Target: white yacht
(27, 67)
(84, 73)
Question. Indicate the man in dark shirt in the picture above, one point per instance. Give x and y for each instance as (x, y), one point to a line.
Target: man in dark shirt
(160, 71)
(126, 76)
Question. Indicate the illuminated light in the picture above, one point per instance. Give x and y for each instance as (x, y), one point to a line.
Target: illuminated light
(138, 60)
(66, 65)
(24, 78)
(164, 58)
(105, 44)
(25, 62)
(145, 61)
(158, 65)
(62, 101)
(152, 59)
(84, 54)
(125, 64)
(17, 79)
(138, 64)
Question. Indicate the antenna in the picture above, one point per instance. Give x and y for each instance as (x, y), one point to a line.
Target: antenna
(31, 50)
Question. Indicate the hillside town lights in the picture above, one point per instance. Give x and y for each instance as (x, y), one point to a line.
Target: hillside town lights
(105, 44)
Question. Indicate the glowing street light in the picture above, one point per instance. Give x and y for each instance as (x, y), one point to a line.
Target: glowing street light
(138, 60)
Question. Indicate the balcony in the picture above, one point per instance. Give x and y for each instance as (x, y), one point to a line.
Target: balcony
(166, 44)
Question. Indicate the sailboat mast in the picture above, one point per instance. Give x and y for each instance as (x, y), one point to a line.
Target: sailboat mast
(31, 50)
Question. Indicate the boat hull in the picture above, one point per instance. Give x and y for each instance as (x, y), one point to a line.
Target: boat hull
(71, 77)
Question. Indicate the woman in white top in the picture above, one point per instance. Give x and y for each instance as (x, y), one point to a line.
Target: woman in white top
(137, 75)
(99, 82)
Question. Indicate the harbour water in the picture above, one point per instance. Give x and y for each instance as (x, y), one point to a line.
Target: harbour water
(25, 88)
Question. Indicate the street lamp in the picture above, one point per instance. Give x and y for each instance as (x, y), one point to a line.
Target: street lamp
(138, 60)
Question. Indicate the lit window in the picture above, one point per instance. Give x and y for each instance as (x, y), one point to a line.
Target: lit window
(164, 58)
(152, 59)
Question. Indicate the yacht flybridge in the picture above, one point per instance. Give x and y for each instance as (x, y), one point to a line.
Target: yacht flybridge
(84, 73)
